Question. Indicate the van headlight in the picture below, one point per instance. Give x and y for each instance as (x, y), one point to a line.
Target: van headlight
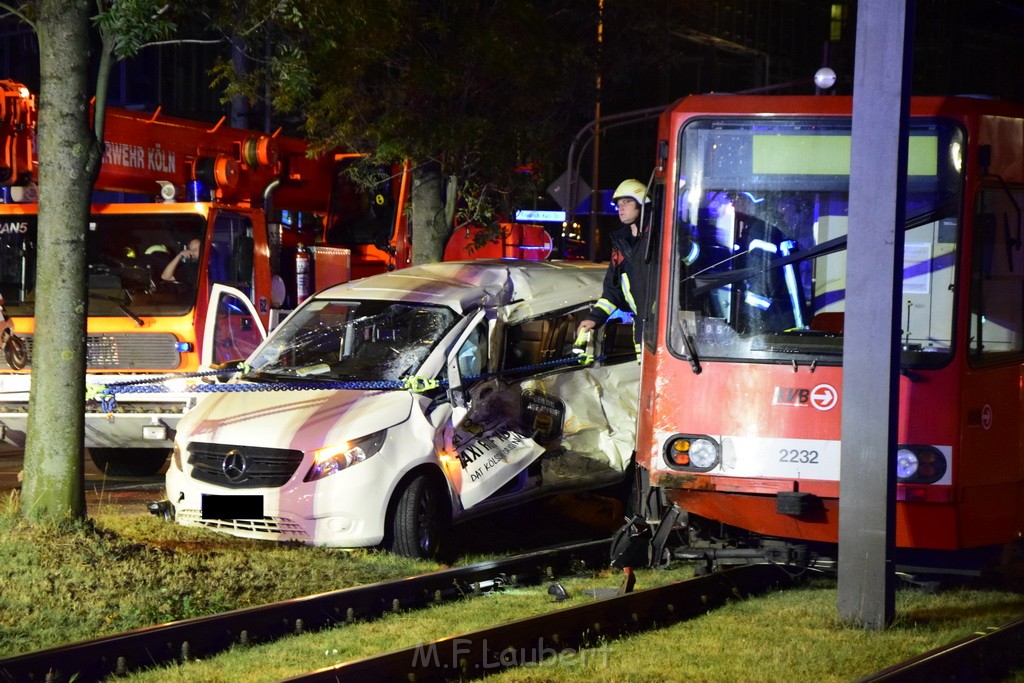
(331, 459)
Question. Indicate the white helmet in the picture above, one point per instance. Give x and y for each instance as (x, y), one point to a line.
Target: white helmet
(633, 189)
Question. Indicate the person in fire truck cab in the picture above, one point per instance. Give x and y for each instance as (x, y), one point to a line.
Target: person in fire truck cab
(625, 281)
(184, 267)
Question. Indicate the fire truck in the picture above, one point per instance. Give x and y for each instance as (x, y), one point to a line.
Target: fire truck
(201, 237)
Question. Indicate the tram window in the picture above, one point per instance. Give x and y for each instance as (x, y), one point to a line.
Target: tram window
(996, 330)
(926, 319)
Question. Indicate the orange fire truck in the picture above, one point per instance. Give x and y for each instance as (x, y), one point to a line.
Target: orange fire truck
(200, 239)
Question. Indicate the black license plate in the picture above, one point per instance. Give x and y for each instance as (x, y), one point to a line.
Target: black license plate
(231, 507)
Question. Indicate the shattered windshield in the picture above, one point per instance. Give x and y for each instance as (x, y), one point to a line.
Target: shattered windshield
(760, 241)
(353, 341)
(126, 255)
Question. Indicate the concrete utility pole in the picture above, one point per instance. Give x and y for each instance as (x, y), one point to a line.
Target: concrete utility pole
(874, 282)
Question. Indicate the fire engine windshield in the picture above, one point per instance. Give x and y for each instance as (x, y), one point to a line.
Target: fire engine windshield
(352, 341)
(760, 241)
(126, 257)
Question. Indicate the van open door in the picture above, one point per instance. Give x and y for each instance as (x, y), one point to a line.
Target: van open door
(233, 330)
(490, 444)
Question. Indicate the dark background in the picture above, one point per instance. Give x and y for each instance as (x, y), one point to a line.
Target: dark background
(773, 46)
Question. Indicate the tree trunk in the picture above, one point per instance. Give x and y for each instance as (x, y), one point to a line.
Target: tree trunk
(54, 487)
(430, 229)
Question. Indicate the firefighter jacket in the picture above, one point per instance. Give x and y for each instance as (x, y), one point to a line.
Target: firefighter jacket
(625, 283)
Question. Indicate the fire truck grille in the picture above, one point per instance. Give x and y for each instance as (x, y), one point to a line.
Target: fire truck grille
(135, 351)
(242, 467)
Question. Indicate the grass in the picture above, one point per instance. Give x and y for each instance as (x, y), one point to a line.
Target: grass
(66, 583)
(63, 583)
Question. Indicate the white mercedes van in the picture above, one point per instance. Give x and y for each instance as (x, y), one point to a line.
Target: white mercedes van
(384, 409)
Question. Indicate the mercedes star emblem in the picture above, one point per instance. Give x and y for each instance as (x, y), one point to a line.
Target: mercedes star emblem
(235, 465)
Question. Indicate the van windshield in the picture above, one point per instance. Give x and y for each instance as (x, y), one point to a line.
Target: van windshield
(760, 240)
(353, 341)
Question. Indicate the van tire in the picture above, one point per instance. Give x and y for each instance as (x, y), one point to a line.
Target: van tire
(129, 462)
(419, 521)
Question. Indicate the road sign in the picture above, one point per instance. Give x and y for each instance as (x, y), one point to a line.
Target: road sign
(559, 191)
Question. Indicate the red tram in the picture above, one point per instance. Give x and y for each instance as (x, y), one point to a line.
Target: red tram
(742, 366)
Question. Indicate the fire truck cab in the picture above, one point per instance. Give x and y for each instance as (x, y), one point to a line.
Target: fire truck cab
(194, 228)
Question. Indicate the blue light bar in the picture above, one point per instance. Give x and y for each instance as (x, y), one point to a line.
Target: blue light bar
(195, 191)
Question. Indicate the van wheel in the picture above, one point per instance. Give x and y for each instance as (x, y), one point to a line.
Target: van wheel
(129, 462)
(419, 521)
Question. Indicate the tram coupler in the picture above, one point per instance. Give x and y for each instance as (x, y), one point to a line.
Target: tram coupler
(631, 544)
(641, 544)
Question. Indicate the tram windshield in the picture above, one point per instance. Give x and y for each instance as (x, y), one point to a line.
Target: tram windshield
(760, 241)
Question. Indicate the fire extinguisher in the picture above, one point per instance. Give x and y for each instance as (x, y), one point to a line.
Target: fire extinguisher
(303, 275)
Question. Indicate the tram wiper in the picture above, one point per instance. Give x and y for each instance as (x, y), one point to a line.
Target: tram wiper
(691, 349)
(691, 354)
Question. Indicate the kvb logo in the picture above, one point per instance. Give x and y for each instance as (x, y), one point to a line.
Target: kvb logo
(822, 397)
(791, 396)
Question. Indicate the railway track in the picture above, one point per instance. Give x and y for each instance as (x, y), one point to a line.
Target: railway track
(576, 632)
(92, 660)
(988, 655)
(558, 634)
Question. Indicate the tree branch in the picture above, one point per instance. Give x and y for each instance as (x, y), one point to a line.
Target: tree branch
(19, 15)
(185, 41)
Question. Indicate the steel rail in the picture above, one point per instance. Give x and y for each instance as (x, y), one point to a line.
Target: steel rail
(558, 635)
(92, 660)
(987, 655)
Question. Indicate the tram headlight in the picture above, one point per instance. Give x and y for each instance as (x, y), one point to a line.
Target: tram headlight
(692, 452)
(919, 464)
(906, 463)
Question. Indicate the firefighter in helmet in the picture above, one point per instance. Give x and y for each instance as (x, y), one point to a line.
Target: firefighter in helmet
(625, 281)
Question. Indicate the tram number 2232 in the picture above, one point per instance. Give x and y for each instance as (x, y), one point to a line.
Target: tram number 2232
(796, 455)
